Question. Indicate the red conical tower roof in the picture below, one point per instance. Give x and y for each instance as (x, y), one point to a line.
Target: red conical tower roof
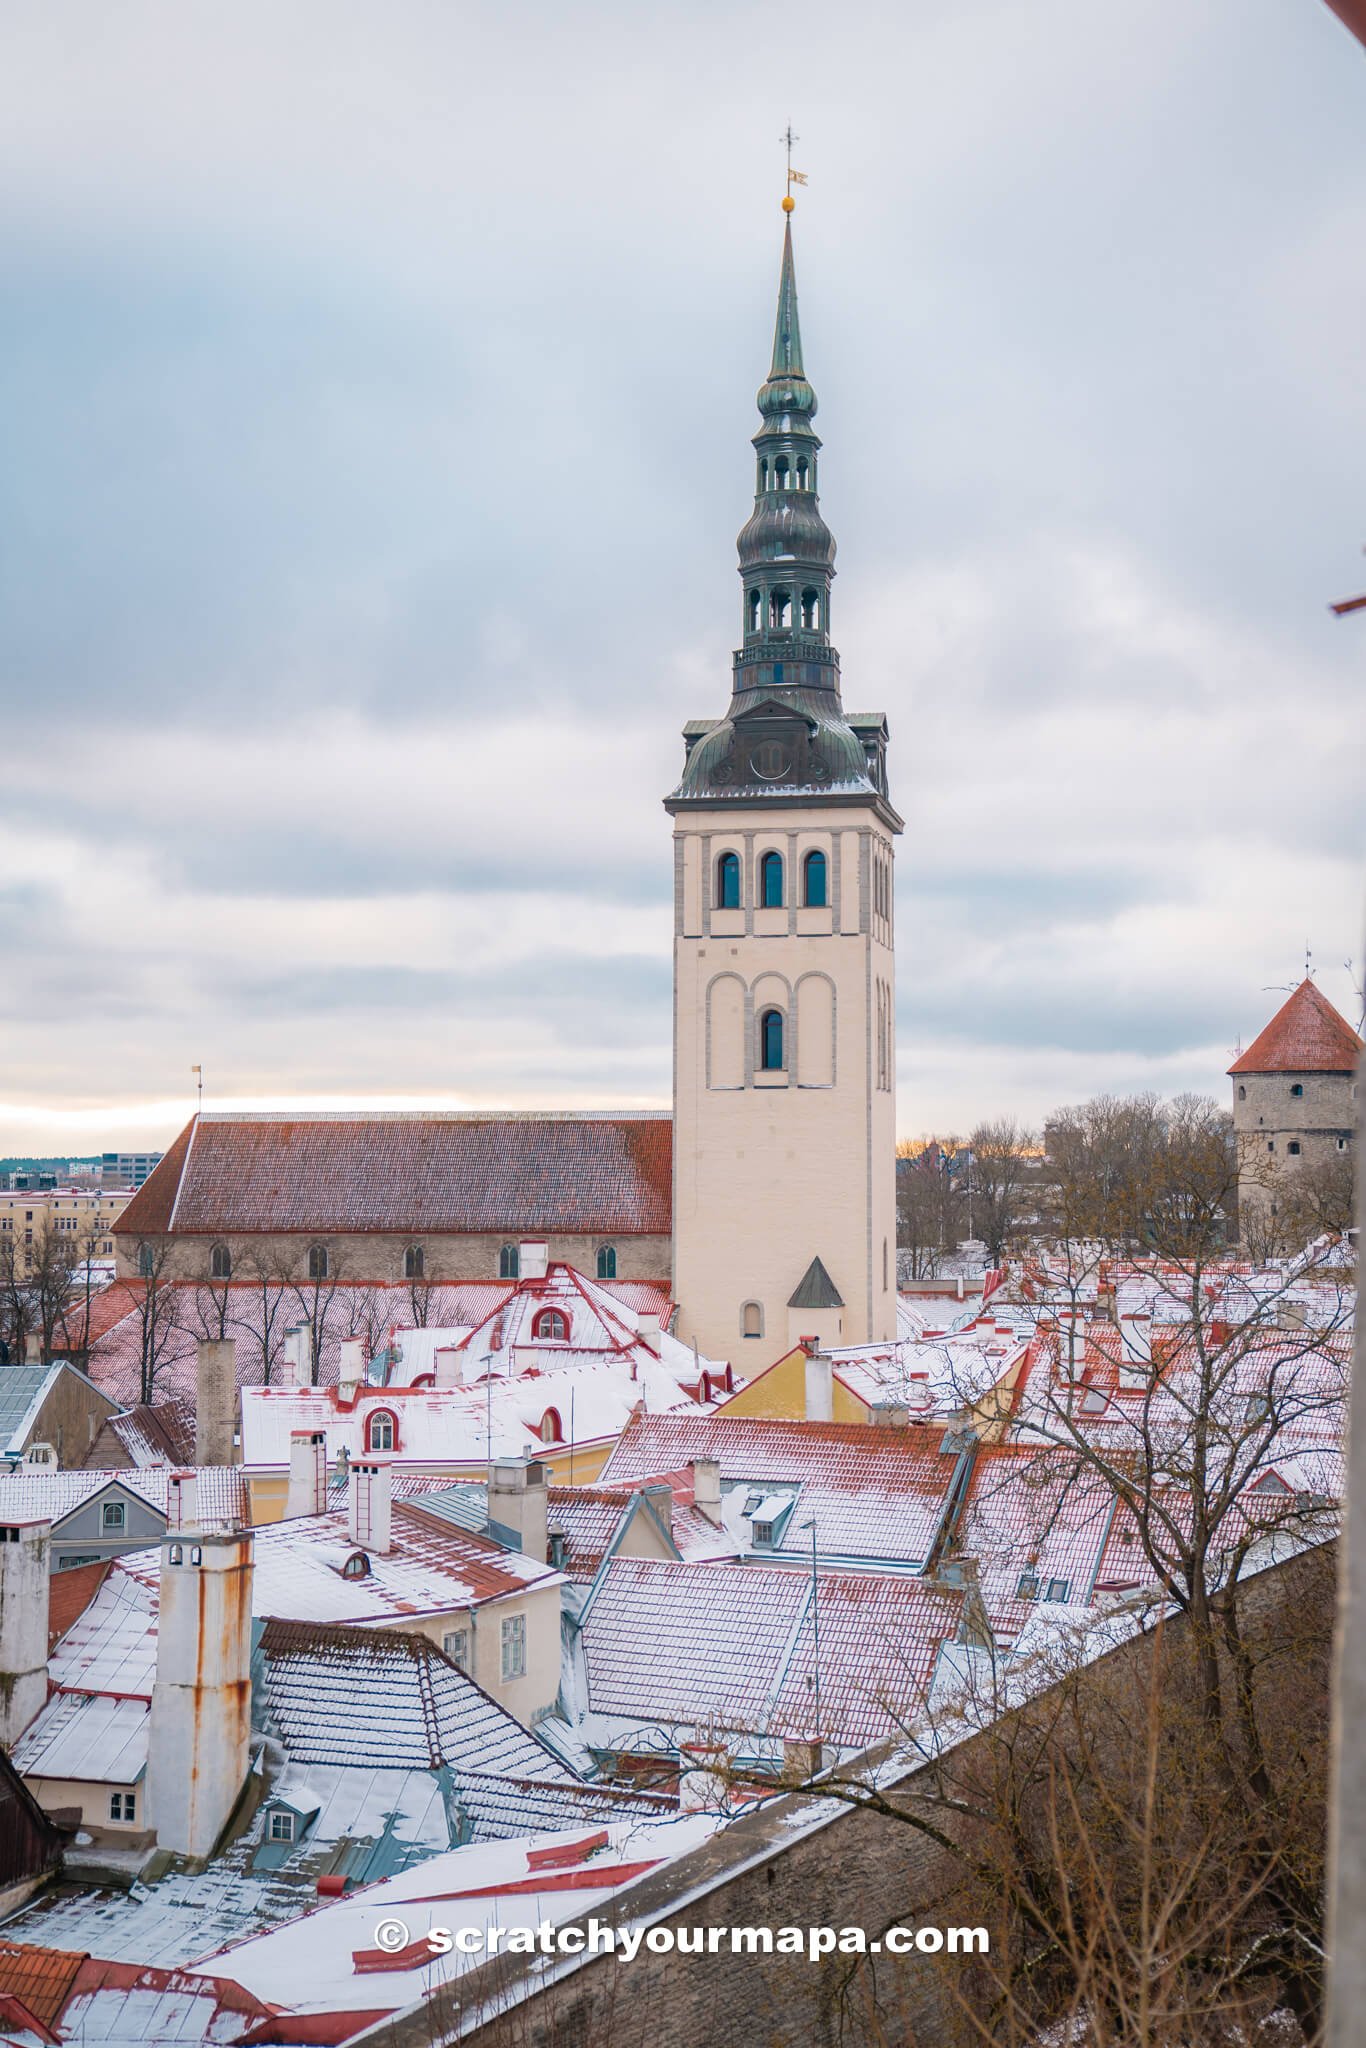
(1306, 1036)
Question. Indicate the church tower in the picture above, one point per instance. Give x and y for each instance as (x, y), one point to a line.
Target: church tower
(784, 1055)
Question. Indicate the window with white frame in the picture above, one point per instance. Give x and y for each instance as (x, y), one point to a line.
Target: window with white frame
(514, 1647)
(114, 1515)
(456, 1643)
(282, 1825)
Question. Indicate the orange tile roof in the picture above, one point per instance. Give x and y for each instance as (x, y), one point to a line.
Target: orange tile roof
(41, 1977)
(410, 1173)
(70, 1593)
(1306, 1036)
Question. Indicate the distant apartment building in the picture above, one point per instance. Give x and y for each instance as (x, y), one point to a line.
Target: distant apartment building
(83, 1217)
(127, 1169)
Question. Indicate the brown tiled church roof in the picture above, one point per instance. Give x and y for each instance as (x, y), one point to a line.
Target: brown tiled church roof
(410, 1173)
(1306, 1036)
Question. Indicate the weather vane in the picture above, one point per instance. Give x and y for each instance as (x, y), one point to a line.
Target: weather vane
(787, 138)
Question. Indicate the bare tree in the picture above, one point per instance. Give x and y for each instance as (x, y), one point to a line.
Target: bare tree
(263, 1310)
(1002, 1153)
(931, 1204)
(315, 1291)
(158, 1309)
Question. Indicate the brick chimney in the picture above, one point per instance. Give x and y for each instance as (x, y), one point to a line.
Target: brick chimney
(518, 1497)
(706, 1488)
(182, 1500)
(307, 1473)
(215, 1415)
(24, 1548)
(369, 1489)
(200, 1725)
(820, 1387)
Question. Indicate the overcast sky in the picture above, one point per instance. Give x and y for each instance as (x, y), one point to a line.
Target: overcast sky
(377, 384)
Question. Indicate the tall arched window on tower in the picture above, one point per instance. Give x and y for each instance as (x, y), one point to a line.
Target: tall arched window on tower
(754, 612)
(771, 881)
(780, 473)
(771, 1041)
(811, 610)
(780, 609)
(763, 473)
(728, 882)
(801, 472)
(813, 881)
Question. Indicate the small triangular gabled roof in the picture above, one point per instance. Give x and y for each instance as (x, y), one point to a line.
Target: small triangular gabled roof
(1306, 1036)
(816, 1289)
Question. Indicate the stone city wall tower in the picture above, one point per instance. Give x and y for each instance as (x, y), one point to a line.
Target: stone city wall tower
(784, 1209)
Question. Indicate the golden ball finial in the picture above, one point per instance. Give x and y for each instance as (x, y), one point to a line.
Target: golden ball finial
(788, 202)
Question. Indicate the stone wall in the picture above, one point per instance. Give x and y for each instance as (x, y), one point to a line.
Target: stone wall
(369, 1257)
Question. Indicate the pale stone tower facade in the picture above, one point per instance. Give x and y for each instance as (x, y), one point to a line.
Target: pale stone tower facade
(784, 1209)
(1294, 1095)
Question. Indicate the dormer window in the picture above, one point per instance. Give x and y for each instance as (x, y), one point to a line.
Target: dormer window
(381, 1431)
(114, 1517)
(552, 1429)
(283, 1825)
(357, 1566)
(551, 1325)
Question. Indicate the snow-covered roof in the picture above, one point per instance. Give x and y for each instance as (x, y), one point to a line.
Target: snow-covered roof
(589, 1401)
(90, 1737)
(733, 1646)
(875, 1494)
(54, 1492)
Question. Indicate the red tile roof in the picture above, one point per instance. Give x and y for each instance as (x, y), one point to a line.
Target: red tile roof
(70, 1593)
(1306, 1036)
(411, 1174)
(41, 1977)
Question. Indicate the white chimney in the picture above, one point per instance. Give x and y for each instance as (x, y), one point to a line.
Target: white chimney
(200, 1726)
(1072, 1342)
(350, 1366)
(702, 1785)
(1136, 1348)
(369, 1487)
(298, 1350)
(24, 1548)
(519, 1502)
(820, 1387)
(307, 1473)
(706, 1488)
(215, 1414)
(532, 1258)
(446, 1365)
(647, 1329)
(182, 1500)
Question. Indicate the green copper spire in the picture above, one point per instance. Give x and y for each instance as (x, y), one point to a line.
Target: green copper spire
(786, 389)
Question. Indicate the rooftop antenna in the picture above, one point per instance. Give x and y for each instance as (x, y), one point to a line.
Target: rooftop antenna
(198, 1073)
